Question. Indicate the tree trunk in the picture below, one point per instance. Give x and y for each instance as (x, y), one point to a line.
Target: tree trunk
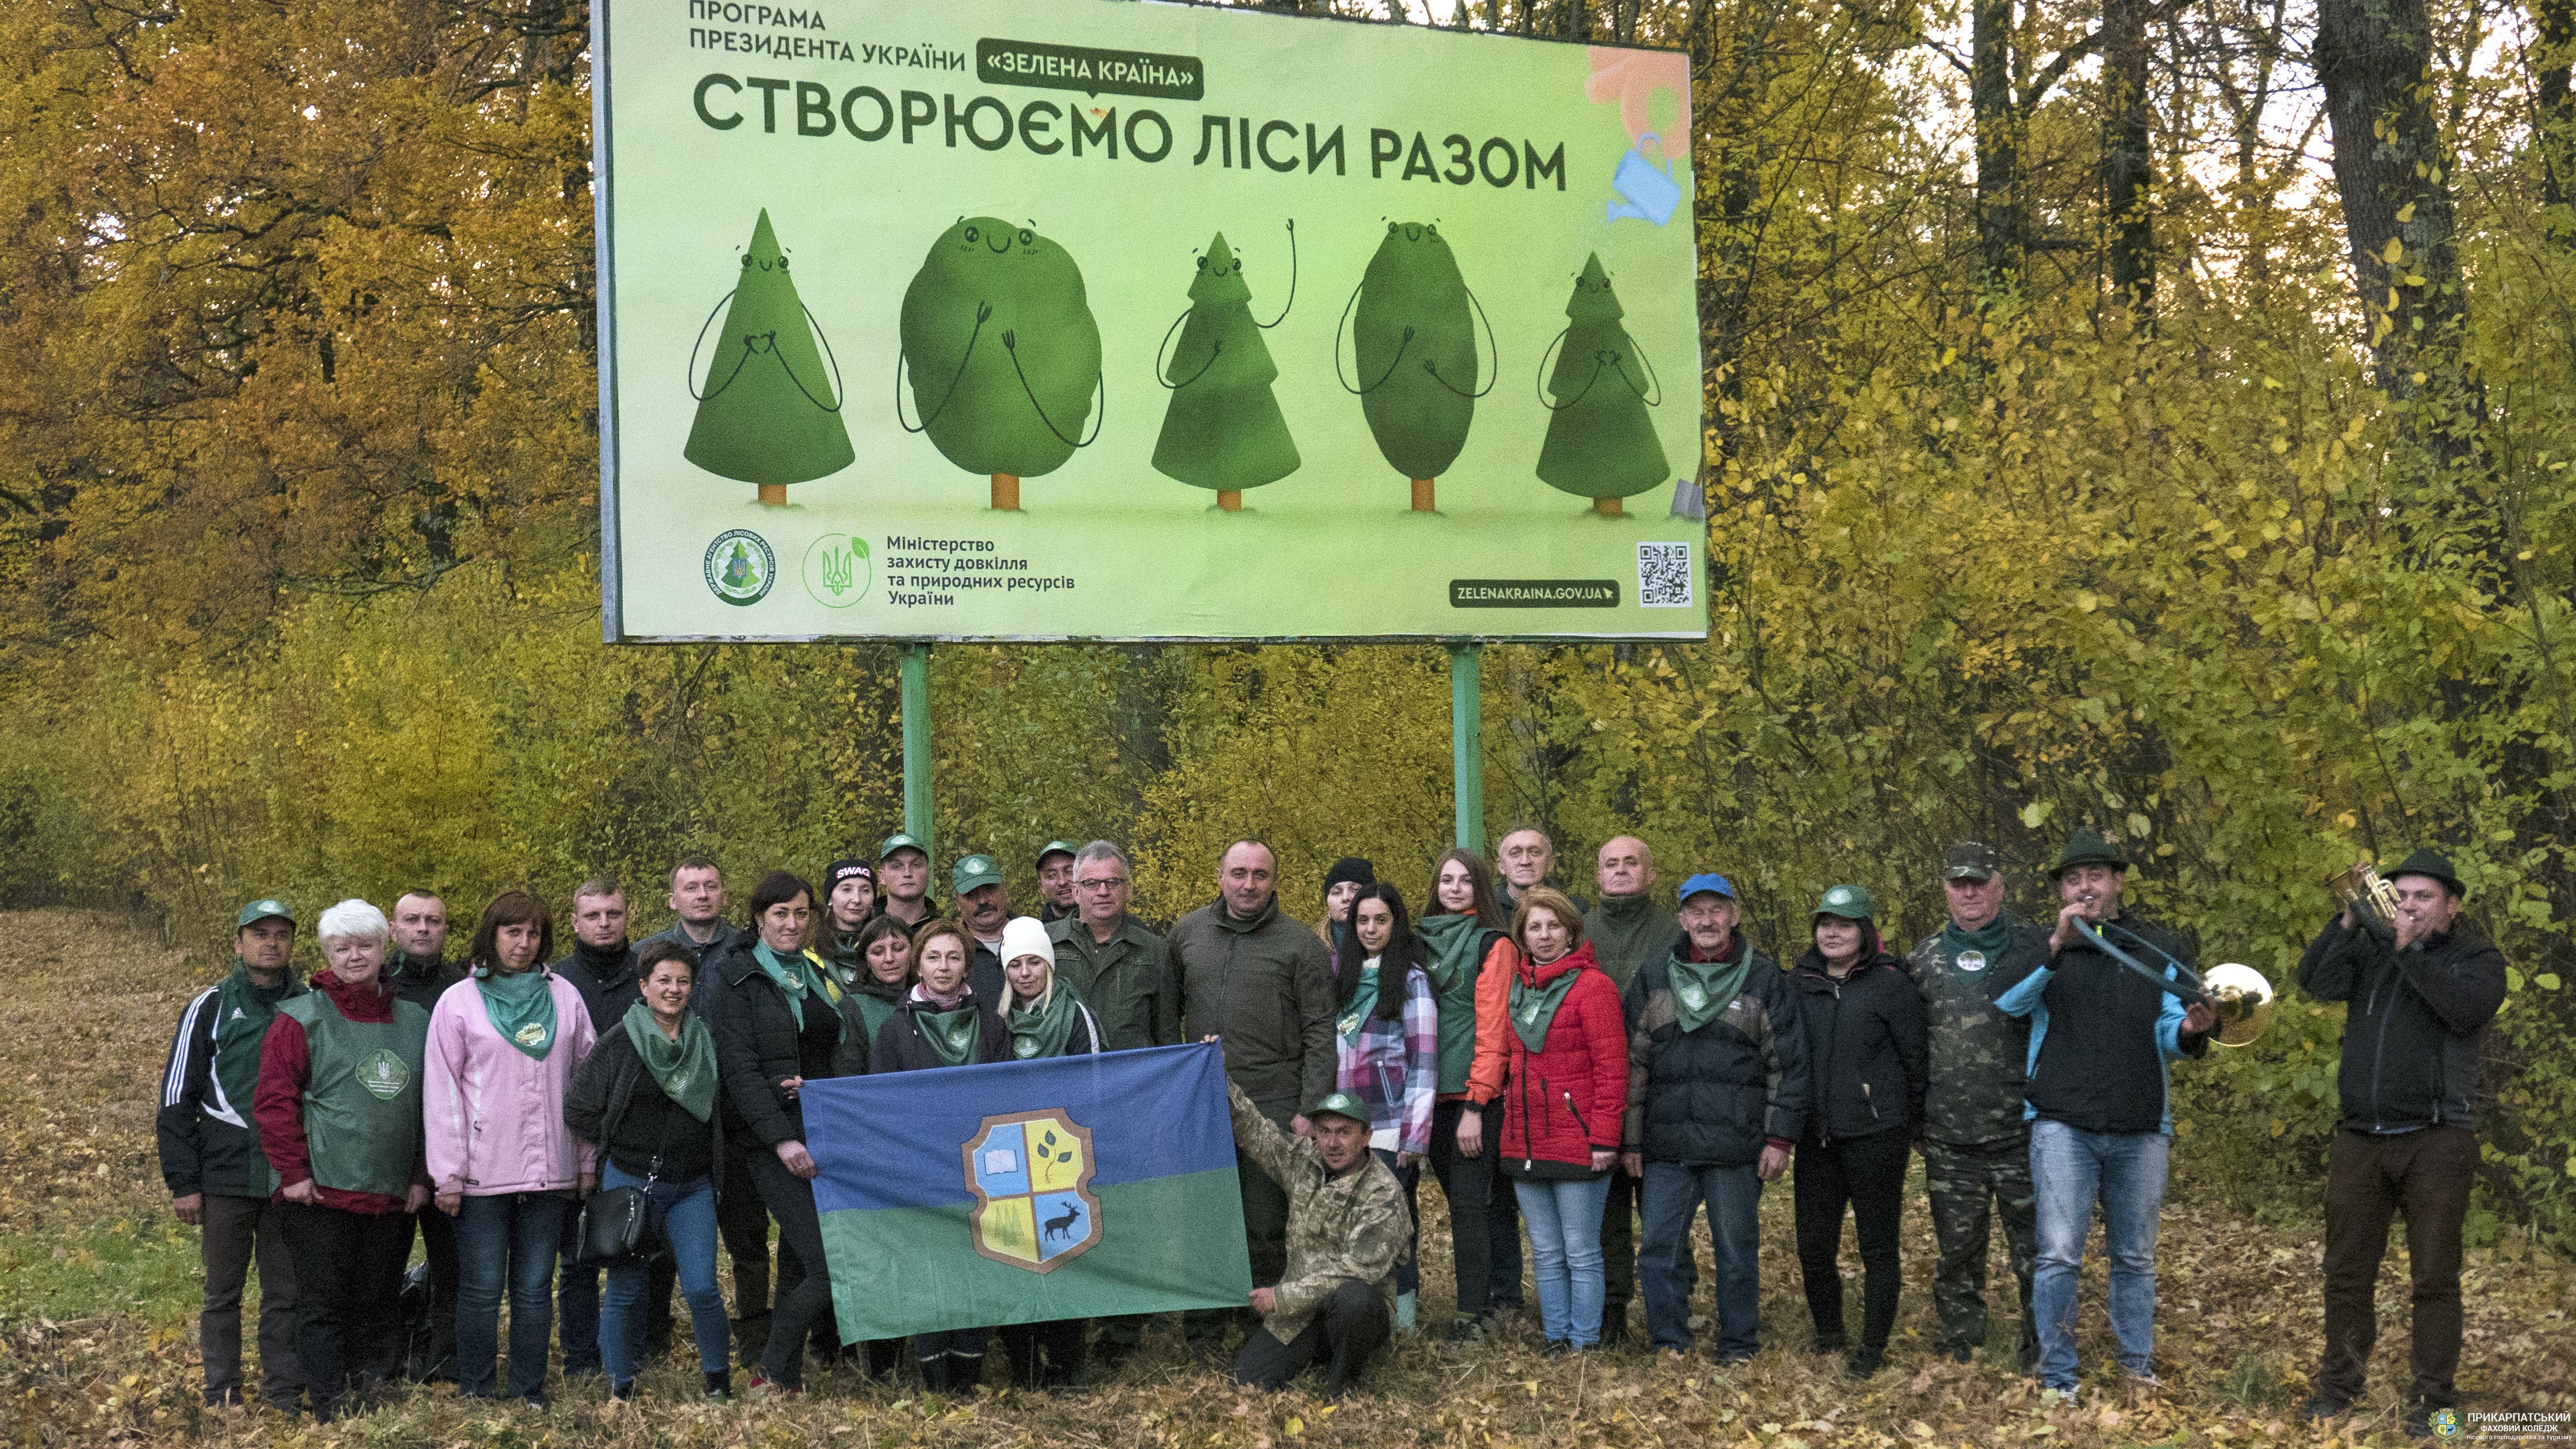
(2554, 121)
(2127, 161)
(1422, 495)
(1610, 507)
(773, 495)
(1229, 500)
(2003, 232)
(1006, 492)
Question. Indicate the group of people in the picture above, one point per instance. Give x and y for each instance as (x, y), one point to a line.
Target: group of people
(1599, 1074)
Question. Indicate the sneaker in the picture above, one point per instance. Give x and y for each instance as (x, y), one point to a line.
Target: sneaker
(2324, 1406)
(720, 1386)
(1671, 1357)
(534, 1401)
(1557, 1348)
(625, 1390)
(761, 1390)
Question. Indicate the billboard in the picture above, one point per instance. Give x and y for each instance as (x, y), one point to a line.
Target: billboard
(1092, 319)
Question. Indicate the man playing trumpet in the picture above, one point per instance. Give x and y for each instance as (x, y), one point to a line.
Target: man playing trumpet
(2422, 987)
(2101, 1034)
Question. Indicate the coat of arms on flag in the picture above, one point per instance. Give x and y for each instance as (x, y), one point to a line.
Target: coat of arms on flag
(1031, 1175)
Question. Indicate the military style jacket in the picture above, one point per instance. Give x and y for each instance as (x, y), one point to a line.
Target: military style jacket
(1979, 1056)
(1353, 1228)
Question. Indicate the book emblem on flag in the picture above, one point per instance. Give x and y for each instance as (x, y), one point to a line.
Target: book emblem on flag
(1031, 1175)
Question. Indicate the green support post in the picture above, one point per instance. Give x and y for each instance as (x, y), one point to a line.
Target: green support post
(1466, 736)
(916, 743)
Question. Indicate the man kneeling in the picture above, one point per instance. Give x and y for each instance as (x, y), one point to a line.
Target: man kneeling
(1347, 1230)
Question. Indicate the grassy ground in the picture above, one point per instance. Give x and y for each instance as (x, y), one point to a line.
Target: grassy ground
(98, 1330)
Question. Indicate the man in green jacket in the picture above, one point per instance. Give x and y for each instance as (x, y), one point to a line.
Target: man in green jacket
(1626, 930)
(1263, 984)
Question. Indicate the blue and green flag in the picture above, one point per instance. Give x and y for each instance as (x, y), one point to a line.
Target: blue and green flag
(1023, 1192)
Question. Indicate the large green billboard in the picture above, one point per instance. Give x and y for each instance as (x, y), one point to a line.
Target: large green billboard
(1089, 319)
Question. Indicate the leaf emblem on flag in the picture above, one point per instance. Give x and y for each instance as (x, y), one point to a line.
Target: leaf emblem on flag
(1031, 1176)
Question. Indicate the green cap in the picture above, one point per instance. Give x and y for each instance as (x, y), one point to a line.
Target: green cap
(973, 873)
(1340, 1104)
(1970, 860)
(2087, 847)
(899, 841)
(263, 909)
(1055, 847)
(2431, 863)
(1850, 902)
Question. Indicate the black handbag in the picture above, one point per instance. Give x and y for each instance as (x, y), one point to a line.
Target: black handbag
(610, 1230)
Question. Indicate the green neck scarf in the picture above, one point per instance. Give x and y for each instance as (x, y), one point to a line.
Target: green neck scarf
(243, 1010)
(1703, 989)
(951, 1035)
(796, 975)
(685, 1070)
(520, 1007)
(1355, 1012)
(1534, 1007)
(1988, 939)
(1043, 1028)
(1457, 946)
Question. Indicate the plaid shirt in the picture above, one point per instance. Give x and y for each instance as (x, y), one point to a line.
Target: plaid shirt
(1394, 1066)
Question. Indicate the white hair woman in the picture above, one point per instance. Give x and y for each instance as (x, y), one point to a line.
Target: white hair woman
(338, 1105)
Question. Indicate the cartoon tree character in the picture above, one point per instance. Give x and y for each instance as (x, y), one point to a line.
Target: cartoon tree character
(1415, 351)
(1600, 443)
(1223, 429)
(769, 411)
(1003, 353)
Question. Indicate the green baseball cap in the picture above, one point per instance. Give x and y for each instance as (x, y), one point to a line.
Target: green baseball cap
(1340, 1104)
(900, 841)
(973, 873)
(1055, 847)
(1850, 902)
(264, 909)
(1970, 860)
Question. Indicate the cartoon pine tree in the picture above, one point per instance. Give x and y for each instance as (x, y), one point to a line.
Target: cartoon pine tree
(1600, 444)
(769, 409)
(1223, 429)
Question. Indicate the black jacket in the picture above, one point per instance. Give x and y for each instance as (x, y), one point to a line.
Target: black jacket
(984, 973)
(758, 1045)
(606, 980)
(1713, 1097)
(601, 1108)
(208, 1143)
(422, 982)
(899, 1047)
(2097, 1038)
(1865, 1049)
(2412, 1033)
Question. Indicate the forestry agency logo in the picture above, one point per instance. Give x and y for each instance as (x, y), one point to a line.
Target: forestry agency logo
(740, 567)
(1031, 1175)
(836, 570)
(384, 1074)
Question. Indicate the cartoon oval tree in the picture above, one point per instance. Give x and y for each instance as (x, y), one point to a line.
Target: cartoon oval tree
(1223, 429)
(1600, 444)
(1414, 347)
(769, 411)
(1003, 352)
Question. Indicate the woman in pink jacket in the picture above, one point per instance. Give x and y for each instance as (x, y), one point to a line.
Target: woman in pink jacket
(503, 1045)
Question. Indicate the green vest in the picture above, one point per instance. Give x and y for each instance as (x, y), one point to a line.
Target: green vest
(362, 1107)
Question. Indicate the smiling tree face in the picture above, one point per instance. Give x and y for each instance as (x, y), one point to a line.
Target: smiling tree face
(1601, 443)
(769, 409)
(1223, 429)
(1415, 351)
(1002, 348)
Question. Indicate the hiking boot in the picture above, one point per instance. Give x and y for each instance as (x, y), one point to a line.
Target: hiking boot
(2324, 1406)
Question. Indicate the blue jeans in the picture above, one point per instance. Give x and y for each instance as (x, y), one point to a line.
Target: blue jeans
(512, 1239)
(2069, 1169)
(1565, 1255)
(1671, 1197)
(683, 1215)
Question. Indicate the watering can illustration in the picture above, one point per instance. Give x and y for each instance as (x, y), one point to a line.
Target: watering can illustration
(1644, 192)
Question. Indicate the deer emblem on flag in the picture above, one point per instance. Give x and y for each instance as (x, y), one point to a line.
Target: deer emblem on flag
(1031, 1174)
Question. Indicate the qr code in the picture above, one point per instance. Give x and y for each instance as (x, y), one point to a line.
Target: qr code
(1664, 575)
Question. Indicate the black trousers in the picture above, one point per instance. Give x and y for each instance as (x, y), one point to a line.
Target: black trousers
(236, 1231)
(1343, 1335)
(438, 1248)
(2371, 1180)
(1618, 1255)
(742, 1220)
(790, 1199)
(1868, 1175)
(1471, 1185)
(348, 1282)
(1045, 1354)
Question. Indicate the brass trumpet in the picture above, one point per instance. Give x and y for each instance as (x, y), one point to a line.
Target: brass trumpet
(2237, 993)
(2372, 901)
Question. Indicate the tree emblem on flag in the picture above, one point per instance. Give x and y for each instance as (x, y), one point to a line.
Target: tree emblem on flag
(1031, 1175)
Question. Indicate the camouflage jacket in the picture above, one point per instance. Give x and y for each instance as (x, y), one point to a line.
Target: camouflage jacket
(1979, 1056)
(1353, 1228)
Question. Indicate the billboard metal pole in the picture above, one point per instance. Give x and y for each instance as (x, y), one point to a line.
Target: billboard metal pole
(916, 744)
(1466, 733)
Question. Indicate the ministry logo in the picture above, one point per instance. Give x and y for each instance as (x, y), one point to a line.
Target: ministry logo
(1031, 1175)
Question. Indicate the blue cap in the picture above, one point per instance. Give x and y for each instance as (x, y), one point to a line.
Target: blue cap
(1706, 881)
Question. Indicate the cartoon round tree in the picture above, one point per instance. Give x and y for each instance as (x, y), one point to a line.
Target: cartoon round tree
(769, 409)
(1414, 347)
(1223, 429)
(1600, 444)
(1003, 352)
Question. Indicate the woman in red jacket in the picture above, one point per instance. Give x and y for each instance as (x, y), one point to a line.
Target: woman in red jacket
(1562, 1110)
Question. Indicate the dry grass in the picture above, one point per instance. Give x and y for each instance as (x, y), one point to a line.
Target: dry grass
(97, 1315)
